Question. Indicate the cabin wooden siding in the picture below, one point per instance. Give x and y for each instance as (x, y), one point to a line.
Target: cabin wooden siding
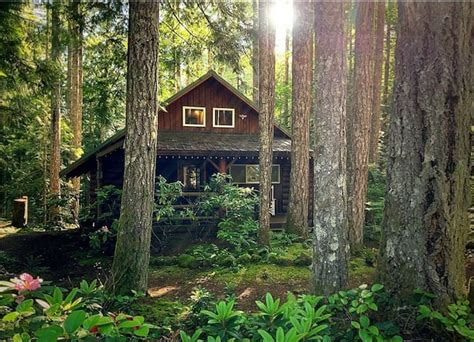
(113, 168)
(210, 94)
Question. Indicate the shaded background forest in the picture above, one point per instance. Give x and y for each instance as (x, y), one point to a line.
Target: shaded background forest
(194, 37)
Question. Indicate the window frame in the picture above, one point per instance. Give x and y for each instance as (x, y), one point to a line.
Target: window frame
(214, 112)
(191, 108)
(255, 182)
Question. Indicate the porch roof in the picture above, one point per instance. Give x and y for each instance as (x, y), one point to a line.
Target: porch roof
(185, 143)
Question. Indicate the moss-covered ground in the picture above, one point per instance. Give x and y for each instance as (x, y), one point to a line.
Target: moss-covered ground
(65, 258)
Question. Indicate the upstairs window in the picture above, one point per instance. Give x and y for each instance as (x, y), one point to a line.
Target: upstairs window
(194, 116)
(224, 117)
(249, 173)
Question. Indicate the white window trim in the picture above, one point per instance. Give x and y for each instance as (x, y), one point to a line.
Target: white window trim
(246, 180)
(193, 125)
(214, 112)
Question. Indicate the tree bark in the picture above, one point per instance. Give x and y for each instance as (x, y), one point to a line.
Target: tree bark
(388, 48)
(286, 81)
(55, 162)
(330, 246)
(377, 84)
(255, 55)
(75, 90)
(302, 69)
(267, 107)
(132, 252)
(425, 221)
(358, 128)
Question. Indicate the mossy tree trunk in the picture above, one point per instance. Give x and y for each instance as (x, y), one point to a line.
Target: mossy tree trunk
(358, 128)
(331, 246)
(132, 251)
(425, 221)
(267, 107)
(302, 69)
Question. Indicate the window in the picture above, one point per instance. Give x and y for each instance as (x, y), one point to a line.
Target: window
(249, 173)
(223, 117)
(194, 116)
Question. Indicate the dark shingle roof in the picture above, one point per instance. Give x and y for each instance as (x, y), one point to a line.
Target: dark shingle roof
(195, 142)
(189, 143)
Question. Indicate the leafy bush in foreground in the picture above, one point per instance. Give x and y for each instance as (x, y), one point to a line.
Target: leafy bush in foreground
(44, 313)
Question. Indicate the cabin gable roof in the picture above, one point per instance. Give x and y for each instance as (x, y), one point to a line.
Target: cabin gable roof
(116, 141)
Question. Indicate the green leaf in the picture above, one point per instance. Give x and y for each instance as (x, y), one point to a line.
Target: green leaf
(364, 321)
(25, 306)
(50, 333)
(10, 317)
(71, 296)
(355, 324)
(364, 336)
(142, 332)
(373, 306)
(376, 287)
(129, 324)
(74, 321)
(91, 322)
(374, 330)
(57, 295)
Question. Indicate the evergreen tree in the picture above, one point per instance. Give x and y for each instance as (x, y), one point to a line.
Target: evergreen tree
(331, 246)
(266, 102)
(302, 67)
(425, 221)
(132, 251)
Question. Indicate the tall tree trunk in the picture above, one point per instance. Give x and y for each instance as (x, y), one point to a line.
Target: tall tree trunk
(377, 84)
(286, 81)
(388, 47)
(358, 128)
(425, 221)
(267, 107)
(54, 167)
(46, 128)
(302, 69)
(132, 251)
(331, 245)
(255, 55)
(75, 90)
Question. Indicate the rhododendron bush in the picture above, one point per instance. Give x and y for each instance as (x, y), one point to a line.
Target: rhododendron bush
(32, 309)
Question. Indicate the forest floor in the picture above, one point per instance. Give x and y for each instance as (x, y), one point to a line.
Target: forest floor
(65, 258)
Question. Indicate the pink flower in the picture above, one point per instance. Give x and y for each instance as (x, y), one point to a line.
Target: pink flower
(26, 282)
(104, 229)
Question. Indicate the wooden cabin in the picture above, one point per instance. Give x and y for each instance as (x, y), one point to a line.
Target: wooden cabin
(205, 128)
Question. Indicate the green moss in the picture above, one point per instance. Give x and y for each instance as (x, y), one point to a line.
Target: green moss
(262, 273)
(188, 261)
(296, 249)
(360, 272)
(159, 311)
(163, 260)
(172, 272)
(304, 259)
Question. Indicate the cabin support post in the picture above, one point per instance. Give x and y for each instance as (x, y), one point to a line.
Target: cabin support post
(222, 166)
(98, 184)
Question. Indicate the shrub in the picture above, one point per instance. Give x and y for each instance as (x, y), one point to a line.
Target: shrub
(346, 315)
(31, 310)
